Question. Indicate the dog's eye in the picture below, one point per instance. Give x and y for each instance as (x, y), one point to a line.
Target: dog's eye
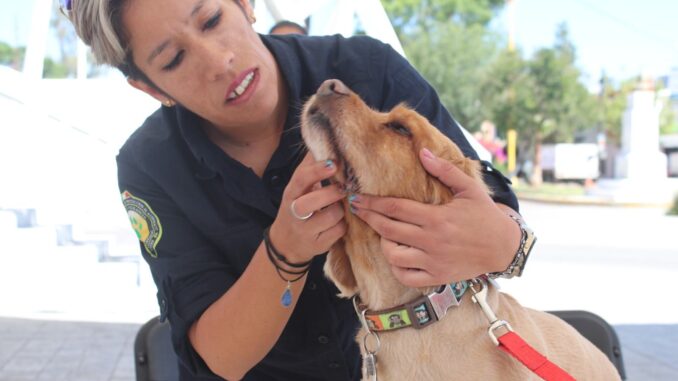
(399, 128)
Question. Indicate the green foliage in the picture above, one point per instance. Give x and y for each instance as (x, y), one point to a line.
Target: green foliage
(668, 120)
(673, 211)
(53, 69)
(506, 93)
(562, 105)
(11, 56)
(450, 44)
(424, 13)
(542, 97)
(455, 59)
(612, 102)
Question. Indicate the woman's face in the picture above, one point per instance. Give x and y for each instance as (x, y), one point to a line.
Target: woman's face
(205, 55)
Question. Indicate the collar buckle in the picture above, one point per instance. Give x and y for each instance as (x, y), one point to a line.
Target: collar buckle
(442, 300)
(419, 313)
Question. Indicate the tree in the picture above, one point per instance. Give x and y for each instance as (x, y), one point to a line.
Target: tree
(65, 65)
(450, 45)
(424, 13)
(506, 95)
(54, 69)
(11, 56)
(612, 102)
(668, 120)
(541, 98)
(455, 59)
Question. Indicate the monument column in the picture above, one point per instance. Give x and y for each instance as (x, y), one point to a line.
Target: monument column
(640, 167)
(640, 157)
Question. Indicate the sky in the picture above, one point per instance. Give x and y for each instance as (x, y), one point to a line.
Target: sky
(624, 38)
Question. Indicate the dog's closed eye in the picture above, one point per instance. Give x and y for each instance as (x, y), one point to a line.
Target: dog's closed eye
(399, 128)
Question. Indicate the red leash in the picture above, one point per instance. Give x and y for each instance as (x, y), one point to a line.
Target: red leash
(513, 344)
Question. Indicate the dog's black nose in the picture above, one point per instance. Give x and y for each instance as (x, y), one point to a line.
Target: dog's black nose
(331, 87)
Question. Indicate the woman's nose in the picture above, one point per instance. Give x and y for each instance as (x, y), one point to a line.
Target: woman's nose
(216, 60)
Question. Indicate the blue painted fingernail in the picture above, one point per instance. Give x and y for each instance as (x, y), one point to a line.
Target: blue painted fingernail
(352, 198)
(353, 209)
(329, 163)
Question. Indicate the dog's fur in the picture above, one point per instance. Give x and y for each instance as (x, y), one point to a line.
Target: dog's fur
(377, 154)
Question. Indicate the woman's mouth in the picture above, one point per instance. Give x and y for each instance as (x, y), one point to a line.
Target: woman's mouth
(242, 88)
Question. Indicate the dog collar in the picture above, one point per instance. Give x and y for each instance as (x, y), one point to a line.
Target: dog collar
(419, 313)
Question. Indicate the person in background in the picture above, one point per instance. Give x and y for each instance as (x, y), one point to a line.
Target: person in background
(287, 27)
(229, 211)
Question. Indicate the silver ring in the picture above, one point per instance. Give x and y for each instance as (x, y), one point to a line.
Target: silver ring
(297, 216)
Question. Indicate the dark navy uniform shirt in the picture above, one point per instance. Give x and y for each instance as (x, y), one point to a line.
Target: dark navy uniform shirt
(200, 214)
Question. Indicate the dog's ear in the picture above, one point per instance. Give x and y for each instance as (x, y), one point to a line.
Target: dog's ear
(453, 154)
(338, 269)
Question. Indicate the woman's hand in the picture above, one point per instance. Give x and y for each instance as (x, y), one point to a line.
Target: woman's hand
(436, 244)
(297, 236)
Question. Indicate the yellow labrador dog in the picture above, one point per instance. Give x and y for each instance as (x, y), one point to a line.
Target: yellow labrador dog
(377, 154)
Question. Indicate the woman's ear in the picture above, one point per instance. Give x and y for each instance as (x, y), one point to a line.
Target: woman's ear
(152, 91)
(246, 6)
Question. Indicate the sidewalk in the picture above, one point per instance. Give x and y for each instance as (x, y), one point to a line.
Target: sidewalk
(64, 316)
(46, 350)
(69, 351)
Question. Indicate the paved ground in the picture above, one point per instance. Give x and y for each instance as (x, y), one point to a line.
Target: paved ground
(63, 316)
(84, 351)
(65, 351)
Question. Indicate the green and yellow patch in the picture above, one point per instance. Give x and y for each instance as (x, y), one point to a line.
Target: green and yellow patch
(145, 222)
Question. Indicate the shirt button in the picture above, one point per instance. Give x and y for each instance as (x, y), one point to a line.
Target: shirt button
(323, 339)
(334, 365)
(312, 286)
(275, 180)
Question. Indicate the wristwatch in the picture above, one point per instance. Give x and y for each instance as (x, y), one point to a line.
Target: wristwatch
(517, 265)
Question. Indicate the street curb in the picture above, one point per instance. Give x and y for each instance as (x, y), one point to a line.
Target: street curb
(589, 200)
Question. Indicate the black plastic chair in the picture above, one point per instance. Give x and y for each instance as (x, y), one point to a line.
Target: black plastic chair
(597, 331)
(154, 355)
(155, 359)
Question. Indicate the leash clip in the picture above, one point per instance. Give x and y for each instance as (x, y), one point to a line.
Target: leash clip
(370, 356)
(480, 298)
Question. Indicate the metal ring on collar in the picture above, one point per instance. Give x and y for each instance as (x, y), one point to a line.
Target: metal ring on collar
(296, 215)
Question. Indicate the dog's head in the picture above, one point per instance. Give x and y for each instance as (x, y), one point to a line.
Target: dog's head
(376, 153)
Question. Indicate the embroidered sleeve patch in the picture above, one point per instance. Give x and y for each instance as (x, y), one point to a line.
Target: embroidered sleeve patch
(145, 222)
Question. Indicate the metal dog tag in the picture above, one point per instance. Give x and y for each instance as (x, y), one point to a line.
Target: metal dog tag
(370, 362)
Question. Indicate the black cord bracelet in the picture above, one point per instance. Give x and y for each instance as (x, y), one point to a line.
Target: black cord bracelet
(278, 256)
(280, 269)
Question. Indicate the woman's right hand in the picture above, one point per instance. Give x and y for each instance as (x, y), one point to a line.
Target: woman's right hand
(299, 239)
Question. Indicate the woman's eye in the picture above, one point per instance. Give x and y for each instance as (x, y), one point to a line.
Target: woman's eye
(175, 61)
(399, 128)
(212, 22)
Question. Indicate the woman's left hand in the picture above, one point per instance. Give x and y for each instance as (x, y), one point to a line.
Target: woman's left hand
(431, 245)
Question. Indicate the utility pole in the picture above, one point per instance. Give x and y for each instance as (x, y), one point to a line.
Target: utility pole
(511, 134)
(510, 7)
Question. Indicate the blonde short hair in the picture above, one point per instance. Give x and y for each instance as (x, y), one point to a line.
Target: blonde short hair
(99, 24)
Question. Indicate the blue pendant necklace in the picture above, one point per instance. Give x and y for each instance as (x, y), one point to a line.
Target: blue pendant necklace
(286, 298)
